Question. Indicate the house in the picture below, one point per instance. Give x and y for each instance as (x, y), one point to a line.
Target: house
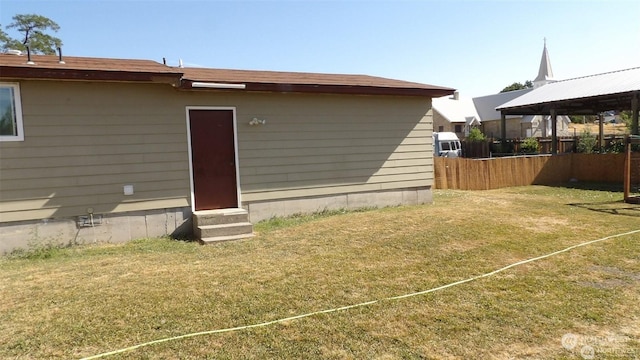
(482, 111)
(517, 126)
(96, 149)
(455, 114)
(486, 107)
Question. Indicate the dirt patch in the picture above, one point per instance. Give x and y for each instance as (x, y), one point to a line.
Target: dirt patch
(542, 224)
(459, 247)
(620, 342)
(611, 277)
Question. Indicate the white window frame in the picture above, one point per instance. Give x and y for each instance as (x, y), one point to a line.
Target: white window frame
(17, 103)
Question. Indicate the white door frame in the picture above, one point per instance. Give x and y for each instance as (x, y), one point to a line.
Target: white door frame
(235, 151)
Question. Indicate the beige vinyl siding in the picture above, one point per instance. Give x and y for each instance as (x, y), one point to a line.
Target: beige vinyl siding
(315, 145)
(85, 141)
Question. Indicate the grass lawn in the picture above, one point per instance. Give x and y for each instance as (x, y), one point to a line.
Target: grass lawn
(82, 301)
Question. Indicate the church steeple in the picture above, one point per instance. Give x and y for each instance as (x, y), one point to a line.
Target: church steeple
(545, 74)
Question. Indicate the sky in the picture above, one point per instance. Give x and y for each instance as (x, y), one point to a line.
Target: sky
(476, 46)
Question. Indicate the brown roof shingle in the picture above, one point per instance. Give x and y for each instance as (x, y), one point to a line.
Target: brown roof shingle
(312, 82)
(104, 69)
(86, 63)
(277, 77)
(86, 68)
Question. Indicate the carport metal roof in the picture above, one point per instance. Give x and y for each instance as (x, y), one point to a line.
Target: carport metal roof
(587, 95)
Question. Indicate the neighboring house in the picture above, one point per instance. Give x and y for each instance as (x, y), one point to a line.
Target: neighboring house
(517, 126)
(455, 114)
(482, 110)
(486, 108)
(96, 149)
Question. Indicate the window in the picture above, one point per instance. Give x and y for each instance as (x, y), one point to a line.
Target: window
(458, 128)
(10, 113)
(440, 128)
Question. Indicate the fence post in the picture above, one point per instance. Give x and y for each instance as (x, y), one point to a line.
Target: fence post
(503, 131)
(554, 132)
(627, 171)
(601, 133)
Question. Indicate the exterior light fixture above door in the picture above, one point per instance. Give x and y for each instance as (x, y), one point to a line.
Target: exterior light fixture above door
(256, 121)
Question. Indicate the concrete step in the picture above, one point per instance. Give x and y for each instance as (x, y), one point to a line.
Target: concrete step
(224, 230)
(220, 217)
(211, 226)
(215, 239)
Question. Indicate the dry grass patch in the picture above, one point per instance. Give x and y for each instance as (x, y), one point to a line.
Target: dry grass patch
(609, 129)
(83, 301)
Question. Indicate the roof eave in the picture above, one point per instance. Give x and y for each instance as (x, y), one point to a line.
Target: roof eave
(324, 89)
(21, 72)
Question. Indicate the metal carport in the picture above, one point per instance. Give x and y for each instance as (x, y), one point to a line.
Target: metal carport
(589, 95)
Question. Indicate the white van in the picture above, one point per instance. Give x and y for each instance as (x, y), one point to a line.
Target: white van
(446, 144)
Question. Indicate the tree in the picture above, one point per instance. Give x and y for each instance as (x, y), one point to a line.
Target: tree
(582, 119)
(518, 86)
(626, 117)
(4, 38)
(32, 30)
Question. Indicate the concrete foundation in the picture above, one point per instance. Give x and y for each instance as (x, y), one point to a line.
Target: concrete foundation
(264, 210)
(111, 228)
(177, 222)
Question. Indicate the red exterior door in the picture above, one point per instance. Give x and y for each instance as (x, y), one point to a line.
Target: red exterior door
(213, 159)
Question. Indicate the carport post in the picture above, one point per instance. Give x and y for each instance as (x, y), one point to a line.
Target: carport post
(627, 170)
(503, 131)
(634, 115)
(601, 133)
(554, 132)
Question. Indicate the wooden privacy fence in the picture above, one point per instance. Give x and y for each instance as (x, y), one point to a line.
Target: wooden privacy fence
(494, 173)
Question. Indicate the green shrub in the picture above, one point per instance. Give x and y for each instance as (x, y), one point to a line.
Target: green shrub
(476, 135)
(616, 147)
(530, 146)
(587, 143)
